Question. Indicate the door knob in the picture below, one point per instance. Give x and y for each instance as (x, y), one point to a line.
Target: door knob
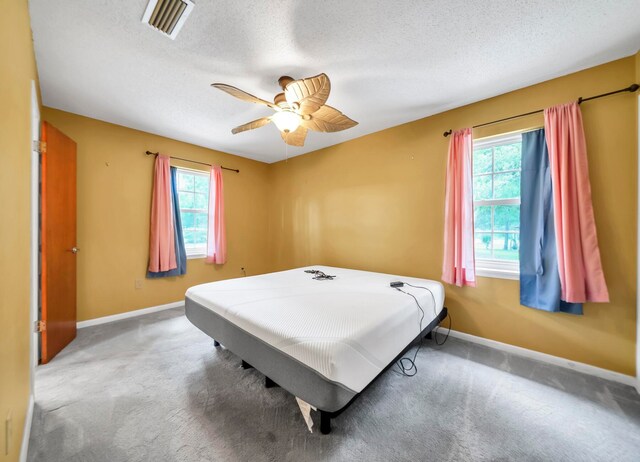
(75, 250)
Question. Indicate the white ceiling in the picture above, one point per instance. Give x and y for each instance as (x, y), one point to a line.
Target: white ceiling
(389, 61)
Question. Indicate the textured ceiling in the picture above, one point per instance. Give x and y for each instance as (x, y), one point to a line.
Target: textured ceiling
(389, 61)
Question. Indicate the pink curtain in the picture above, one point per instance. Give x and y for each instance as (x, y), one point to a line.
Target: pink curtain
(581, 275)
(216, 235)
(162, 250)
(458, 265)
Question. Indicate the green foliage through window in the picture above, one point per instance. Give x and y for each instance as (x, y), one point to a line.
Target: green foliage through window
(193, 197)
(496, 194)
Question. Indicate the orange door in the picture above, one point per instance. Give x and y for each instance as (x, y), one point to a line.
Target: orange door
(58, 239)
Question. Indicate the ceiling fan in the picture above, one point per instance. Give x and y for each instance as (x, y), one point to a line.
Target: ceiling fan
(300, 107)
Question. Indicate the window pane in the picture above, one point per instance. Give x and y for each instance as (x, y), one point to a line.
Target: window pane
(194, 236)
(186, 200)
(200, 237)
(189, 237)
(185, 181)
(201, 202)
(482, 218)
(482, 161)
(506, 218)
(188, 220)
(507, 157)
(194, 195)
(481, 187)
(506, 185)
(201, 184)
(505, 246)
(483, 245)
(201, 220)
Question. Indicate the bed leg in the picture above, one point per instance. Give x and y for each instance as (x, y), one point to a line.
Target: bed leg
(268, 383)
(325, 423)
(216, 343)
(246, 365)
(429, 336)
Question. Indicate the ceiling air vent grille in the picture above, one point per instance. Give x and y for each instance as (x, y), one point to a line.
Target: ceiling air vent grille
(167, 16)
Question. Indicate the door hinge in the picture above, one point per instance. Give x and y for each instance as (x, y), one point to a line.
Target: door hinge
(41, 326)
(39, 146)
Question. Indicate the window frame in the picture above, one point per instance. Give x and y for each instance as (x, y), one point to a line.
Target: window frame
(487, 267)
(194, 251)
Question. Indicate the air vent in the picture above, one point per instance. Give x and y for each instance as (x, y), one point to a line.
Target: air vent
(167, 16)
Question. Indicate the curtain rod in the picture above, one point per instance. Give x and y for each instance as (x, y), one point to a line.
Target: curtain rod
(149, 153)
(631, 88)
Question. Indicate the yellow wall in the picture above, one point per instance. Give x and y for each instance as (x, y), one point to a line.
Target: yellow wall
(372, 203)
(114, 199)
(17, 71)
(376, 203)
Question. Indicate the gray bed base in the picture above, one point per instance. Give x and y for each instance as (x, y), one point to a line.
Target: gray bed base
(330, 398)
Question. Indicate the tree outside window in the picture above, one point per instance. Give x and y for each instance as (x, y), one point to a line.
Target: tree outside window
(193, 195)
(496, 191)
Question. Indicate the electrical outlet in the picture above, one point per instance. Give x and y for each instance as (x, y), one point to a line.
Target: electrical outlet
(8, 432)
(139, 283)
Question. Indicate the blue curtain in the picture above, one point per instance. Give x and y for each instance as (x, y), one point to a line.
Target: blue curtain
(181, 253)
(539, 279)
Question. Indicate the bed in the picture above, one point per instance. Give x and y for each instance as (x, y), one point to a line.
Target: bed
(324, 341)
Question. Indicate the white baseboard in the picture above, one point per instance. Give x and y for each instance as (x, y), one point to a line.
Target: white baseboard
(26, 434)
(128, 314)
(546, 358)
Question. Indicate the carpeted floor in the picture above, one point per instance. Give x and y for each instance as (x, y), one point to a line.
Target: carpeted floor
(154, 388)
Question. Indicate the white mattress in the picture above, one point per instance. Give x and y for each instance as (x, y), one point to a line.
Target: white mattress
(347, 329)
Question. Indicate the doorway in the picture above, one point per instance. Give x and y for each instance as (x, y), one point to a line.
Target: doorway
(35, 232)
(58, 245)
(52, 240)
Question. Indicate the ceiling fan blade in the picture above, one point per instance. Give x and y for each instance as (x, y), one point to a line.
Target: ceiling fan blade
(251, 125)
(296, 137)
(243, 95)
(306, 96)
(328, 119)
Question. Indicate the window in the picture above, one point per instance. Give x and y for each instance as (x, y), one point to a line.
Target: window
(193, 194)
(496, 204)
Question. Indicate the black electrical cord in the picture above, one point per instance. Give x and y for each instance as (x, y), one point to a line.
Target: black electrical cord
(319, 275)
(416, 300)
(412, 369)
(435, 333)
(435, 313)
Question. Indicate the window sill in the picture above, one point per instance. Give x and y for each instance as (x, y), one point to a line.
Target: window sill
(498, 273)
(196, 256)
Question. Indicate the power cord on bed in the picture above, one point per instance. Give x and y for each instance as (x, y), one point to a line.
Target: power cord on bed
(435, 335)
(407, 366)
(319, 275)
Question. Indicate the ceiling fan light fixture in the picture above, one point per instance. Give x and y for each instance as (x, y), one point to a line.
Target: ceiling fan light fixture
(299, 108)
(286, 121)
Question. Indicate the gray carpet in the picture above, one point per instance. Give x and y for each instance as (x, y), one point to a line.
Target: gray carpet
(153, 388)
